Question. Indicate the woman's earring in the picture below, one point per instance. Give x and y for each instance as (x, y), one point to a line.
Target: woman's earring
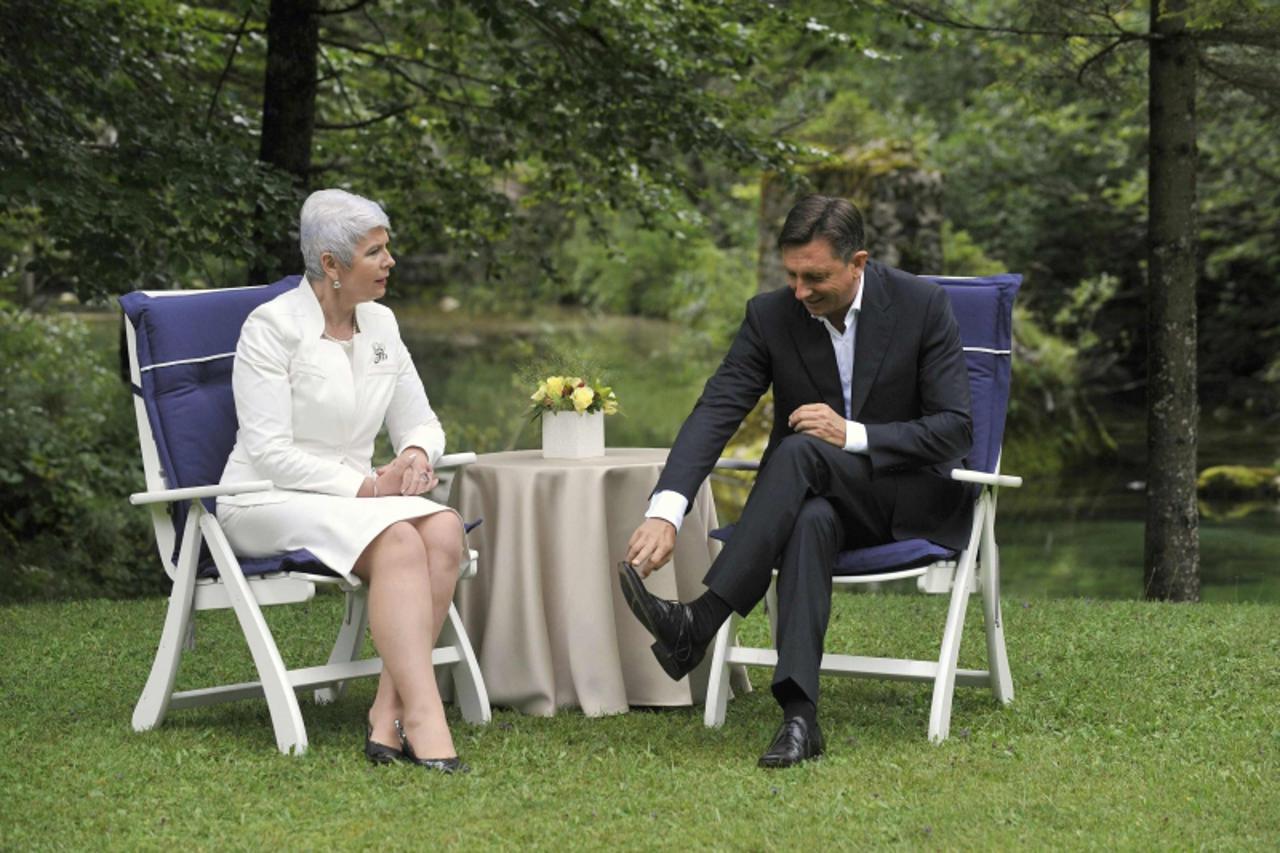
(336, 284)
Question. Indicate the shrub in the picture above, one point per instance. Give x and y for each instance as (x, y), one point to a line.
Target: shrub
(71, 458)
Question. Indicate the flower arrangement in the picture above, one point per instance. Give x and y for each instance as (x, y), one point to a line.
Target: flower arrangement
(572, 394)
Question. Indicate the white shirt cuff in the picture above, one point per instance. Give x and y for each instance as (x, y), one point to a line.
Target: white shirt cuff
(855, 437)
(668, 506)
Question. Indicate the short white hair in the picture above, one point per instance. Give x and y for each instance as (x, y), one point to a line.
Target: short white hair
(335, 221)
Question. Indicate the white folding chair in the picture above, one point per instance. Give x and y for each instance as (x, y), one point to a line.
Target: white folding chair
(984, 311)
(181, 347)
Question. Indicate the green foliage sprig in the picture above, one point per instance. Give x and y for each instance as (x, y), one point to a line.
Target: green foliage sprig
(70, 460)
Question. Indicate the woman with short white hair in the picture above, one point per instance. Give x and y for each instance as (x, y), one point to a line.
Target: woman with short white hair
(318, 371)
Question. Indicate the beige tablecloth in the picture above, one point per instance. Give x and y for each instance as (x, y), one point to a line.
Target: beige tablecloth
(545, 613)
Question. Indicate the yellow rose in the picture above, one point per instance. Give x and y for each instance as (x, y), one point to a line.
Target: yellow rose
(582, 398)
(554, 386)
(610, 407)
(540, 394)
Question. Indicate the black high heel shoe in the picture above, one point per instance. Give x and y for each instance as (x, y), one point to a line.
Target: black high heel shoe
(448, 766)
(380, 753)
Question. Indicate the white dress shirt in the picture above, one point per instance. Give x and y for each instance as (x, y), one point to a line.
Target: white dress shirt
(671, 506)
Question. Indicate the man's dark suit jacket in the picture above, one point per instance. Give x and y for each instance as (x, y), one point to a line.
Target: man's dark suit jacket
(910, 389)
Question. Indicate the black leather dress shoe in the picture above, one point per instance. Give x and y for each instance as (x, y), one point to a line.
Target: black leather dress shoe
(795, 742)
(670, 623)
(380, 753)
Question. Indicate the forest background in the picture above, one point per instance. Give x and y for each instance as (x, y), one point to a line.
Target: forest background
(600, 159)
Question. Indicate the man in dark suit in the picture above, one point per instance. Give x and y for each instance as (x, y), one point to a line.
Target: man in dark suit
(871, 413)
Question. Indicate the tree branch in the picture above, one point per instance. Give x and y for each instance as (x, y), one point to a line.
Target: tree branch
(433, 94)
(395, 111)
(396, 58)
(1268, 37)
(350, 7)
(1103, 53)
(226, 70)
(342, 88)
(206, 28)
(1250, 80)
(373, 22)
(927, 13)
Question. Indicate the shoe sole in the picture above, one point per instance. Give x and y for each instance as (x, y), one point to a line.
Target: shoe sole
(779, 765)
(634, 592)
(384, 759)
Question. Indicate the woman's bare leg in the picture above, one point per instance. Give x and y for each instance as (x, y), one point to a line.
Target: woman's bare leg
(402, 622)
(385, 710)
(443, 539)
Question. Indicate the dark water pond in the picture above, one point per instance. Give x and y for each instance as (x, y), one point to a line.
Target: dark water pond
(1076, 534)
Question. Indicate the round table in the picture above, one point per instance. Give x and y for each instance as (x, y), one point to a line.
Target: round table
(545, 612)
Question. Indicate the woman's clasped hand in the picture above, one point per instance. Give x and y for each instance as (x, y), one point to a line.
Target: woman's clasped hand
(410, 473)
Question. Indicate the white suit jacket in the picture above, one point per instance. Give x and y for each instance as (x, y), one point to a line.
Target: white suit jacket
(307, 415)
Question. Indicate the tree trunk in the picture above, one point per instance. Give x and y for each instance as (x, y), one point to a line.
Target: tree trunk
(1171, 568)
(288, 122)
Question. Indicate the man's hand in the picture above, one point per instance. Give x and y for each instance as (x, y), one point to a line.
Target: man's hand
(651, 545)
(820, 421)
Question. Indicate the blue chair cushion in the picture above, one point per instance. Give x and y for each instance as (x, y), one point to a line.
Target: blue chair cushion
(878, 559)
(983, 308)
(300, 560)
(186, 347)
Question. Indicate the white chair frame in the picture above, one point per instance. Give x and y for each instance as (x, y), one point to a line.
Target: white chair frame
(977, 568)
(247, 595)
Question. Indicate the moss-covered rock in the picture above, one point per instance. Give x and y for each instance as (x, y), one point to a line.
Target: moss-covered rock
(1238, 482)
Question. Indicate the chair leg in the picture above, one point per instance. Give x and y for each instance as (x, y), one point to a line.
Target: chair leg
(997, 657)
(152, 705)
(286, 717)
(349, 642)
(468, 683)
(944, 684)
(718, 675)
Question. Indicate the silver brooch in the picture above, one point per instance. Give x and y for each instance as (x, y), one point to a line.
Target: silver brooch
(379, 353)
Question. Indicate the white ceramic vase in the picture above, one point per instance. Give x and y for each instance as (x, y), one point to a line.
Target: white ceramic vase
(570, 435)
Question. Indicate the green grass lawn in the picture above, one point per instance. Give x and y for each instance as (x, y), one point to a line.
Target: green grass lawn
(1134, 726)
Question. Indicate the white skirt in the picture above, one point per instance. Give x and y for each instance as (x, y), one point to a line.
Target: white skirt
(335, 529)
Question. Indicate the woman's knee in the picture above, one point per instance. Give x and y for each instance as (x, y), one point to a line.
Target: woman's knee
(398, 544)
(442, 532)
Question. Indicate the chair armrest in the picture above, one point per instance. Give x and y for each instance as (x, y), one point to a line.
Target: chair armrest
(986, 479)
(738, 464)
(957, 474)
(455, 460)
(196, 492)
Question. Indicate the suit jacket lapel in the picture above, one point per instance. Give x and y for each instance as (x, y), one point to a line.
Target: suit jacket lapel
(875, 329)
(816, 354)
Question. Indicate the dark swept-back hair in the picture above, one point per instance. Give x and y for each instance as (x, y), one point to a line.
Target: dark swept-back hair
(833, 219)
